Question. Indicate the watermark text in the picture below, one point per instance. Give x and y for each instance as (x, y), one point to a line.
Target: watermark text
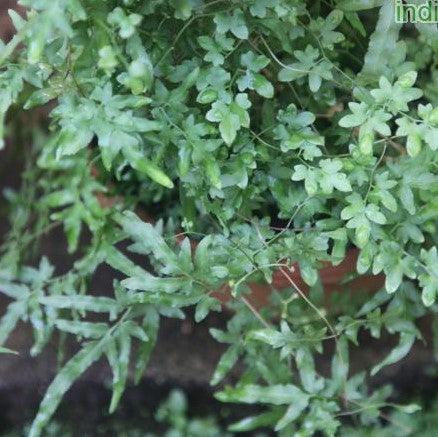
(426, 12)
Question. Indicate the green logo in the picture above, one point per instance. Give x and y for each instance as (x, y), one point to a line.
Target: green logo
(416, 13)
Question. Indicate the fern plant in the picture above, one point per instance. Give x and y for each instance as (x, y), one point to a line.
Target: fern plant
(265, 133)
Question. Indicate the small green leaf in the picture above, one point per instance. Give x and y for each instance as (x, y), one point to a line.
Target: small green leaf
(394, 278)
(400, 351)
(119, 361)
(90, 353)
(228, 127)
(8, 322)
(293, 412)
(408, 409)
(213, 172)
(204, 306)
(263, 86)
(234, 23)
(310, 380)
(255, 422)
(413, 145)
(408, 79)
(340, 364)
(226, 363)
(82, 329)
(383, 42)
(373, 213)
(4, 350)
(144, 165)
(358, 5)
(206, 96)
(429, 294)
(366, 143)
(253, 394)
(151, 324)
(81, 303)
(309, 273)
(149, 240)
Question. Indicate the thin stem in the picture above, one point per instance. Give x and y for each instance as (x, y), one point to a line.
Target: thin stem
(273, 239)
(374, 171)
(288, 67)
(255, 312)
(178, 36)
(307, 300)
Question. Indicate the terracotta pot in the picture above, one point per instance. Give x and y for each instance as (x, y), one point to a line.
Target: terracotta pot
(332, 277)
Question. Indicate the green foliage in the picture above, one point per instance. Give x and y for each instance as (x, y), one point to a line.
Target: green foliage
(224, 118)
(4, 350)
(174, 412)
